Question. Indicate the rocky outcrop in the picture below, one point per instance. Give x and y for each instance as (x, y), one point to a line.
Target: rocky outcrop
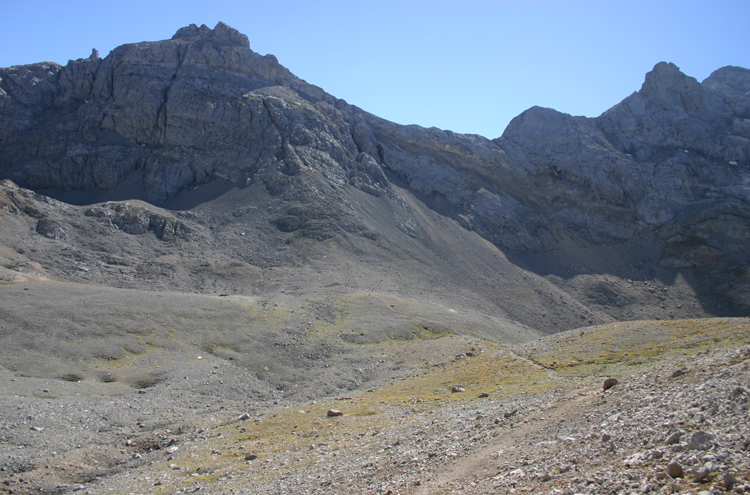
(135, 219)
(668, 166)
(185, 111)
(129, 217)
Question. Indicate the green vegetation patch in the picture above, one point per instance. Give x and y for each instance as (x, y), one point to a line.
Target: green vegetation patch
(615, 346)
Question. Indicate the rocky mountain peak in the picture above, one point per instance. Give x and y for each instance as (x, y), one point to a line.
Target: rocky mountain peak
(664, 71)
(539, 126)
(673, 112)
(730, 80)
(666, 87)
(222, 32)
(733, 83)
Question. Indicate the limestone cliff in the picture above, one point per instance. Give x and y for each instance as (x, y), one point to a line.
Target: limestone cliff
(664, 172)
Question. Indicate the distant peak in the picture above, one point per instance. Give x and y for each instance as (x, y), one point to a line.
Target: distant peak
(665, 67)
(730, 80)
(666, 82)
(222, 32)
(664, 73)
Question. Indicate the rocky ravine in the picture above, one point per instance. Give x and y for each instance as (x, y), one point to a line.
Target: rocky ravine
(662, 176)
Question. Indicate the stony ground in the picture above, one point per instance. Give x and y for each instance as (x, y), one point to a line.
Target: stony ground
(454, 415)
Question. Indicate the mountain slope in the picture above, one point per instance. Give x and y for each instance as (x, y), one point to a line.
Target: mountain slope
(654, 191)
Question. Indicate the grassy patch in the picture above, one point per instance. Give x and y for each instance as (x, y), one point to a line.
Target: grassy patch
(614, 347)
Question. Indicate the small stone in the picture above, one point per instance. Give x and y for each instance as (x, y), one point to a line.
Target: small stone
(678, 373)
(250, 457)
(606, 438)
(700, 440)
(675, 470)
(456, 389)
(244, 417)
(510, 414)
(333, 413)
(737, 392)
(674, 438)
(703, 471)
(483, 395)
(609, 383)
(729, 480)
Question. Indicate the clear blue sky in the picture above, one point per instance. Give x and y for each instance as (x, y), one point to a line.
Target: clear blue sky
(469, 66)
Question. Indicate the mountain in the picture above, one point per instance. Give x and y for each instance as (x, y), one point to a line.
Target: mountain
(641, 212)
(192, 235)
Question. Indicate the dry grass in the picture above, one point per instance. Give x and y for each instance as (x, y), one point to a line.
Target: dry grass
(618, 347)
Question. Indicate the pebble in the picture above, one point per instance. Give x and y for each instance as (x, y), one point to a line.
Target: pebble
(675, 470)
(729, 480)
(700, 473)
(674, 438)
(609, 383)
(700, 440)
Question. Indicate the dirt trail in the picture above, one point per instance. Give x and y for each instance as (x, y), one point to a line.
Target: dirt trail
(485, 463)
(551, 373)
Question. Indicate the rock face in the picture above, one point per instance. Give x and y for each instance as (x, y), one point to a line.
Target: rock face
(662, 176)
